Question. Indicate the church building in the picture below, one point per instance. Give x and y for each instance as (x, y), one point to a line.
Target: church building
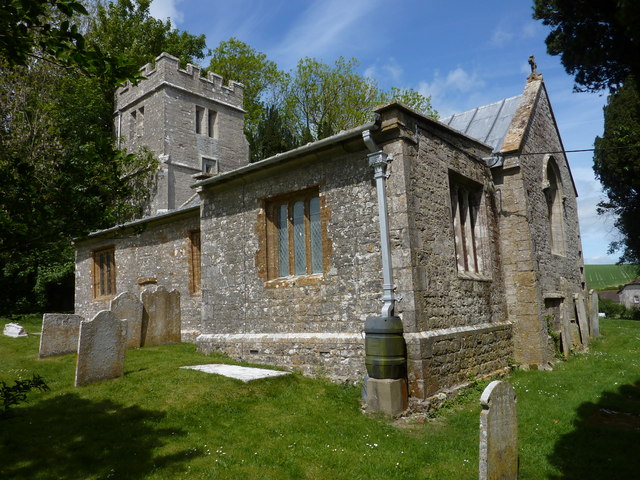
(279, 261)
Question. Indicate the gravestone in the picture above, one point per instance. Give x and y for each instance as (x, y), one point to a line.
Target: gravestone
(565, 332)
(101, 349)
(160, 316)
(14, 330)
(583, 320)
(594, 314)
(498, 433)
(59, 334)
(128, 306)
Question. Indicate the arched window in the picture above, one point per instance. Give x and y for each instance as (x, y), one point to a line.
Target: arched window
(554, 194)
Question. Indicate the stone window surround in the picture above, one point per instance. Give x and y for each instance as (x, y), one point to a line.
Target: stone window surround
(553, 189)
(210, 165)
(206, 122)
(103, 273)
(469, 228)
(136, 126)
(267, 255)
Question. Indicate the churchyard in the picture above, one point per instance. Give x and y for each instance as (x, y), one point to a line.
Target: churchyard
(581, 420)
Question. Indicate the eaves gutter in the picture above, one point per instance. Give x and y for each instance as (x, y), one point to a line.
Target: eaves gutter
(161, 218)
(285, 156)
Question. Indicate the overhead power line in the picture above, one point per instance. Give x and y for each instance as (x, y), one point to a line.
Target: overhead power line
(583, 150)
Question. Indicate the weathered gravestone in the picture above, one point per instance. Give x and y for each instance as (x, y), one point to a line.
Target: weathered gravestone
(594, 314)
(128, 306)
(14, 330)
(101, 349)
(583, 320)
(565, 333)
(59, 334)
(160, 316)
(498, 433)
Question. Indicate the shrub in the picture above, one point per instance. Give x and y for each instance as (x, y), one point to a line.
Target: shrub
(611, 308)
(617, 310)
(14, 394)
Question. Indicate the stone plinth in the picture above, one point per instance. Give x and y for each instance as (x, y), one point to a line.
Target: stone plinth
(388, 396)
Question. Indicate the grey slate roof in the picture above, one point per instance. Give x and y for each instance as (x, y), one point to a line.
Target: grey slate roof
(488, 123)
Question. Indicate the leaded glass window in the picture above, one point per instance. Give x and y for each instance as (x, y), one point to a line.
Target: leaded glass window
(297, 237)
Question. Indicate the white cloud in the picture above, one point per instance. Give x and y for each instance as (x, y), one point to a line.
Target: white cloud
(324, 28)
(393, 69)
(163, 9)
(387, 72)
(500, 37)
(529, 30)
(453, 92)
(600, 260)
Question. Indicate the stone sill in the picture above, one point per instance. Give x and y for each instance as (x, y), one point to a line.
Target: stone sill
(474, 276)
(102, 299)
(296, 281)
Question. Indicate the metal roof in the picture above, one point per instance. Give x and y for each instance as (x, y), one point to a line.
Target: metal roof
(488, 123)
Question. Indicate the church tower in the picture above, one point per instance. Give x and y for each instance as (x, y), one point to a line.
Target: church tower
(193, 124)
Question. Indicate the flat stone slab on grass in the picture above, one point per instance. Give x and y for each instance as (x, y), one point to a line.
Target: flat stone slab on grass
(246, 374)
(14, 330)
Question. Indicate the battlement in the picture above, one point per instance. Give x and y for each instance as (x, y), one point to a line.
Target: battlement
(167, 73)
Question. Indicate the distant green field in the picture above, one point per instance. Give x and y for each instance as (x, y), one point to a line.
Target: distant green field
(603, 277)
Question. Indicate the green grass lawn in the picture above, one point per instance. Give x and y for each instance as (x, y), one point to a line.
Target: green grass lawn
(606, 277)
(580, 421)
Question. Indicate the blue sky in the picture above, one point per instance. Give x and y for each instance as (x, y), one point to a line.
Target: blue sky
(462, 53)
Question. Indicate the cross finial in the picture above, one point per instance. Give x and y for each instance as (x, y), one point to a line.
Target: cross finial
(532, 63)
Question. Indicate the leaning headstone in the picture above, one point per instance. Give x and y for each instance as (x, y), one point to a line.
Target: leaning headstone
(59, 334)
(128, 306)
(101, 349)
(565, 332)
(583, 320)
(594, 314)
(14, 330)
(498, 433)
(160, 316)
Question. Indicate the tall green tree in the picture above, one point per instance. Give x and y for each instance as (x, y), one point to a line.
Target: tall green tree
(618, 168)
(323, 99)
(126, 28)
(48, 30)
(264, 83)
(598, 40)
(60, 175)
(313, 101)
(273, 135)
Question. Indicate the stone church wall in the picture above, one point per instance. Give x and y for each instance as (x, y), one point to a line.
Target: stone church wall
(540, 283)
(312, 322)
(454, 321)
(152, 253)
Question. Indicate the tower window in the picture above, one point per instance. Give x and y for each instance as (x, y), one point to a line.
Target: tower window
(199, 119)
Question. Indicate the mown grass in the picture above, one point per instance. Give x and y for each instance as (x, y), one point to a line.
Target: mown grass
(161, 422)
(606, 277)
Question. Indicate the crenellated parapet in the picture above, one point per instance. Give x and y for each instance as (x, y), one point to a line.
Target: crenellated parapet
(166, 73)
